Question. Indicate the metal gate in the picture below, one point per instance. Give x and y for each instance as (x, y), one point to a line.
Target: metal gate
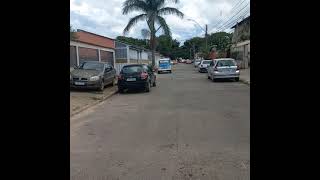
(106, 56)
(73, 56)
(88, 54)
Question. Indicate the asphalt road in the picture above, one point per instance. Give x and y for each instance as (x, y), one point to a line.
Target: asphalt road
(186, 128)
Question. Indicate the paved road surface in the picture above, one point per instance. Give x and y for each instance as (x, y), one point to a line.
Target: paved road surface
(186, 128)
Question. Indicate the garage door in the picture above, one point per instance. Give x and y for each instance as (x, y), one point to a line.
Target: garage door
(73, 56)
(107, 56)
(88, 54)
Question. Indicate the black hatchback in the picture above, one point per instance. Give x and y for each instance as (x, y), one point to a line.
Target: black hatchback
(136, 76)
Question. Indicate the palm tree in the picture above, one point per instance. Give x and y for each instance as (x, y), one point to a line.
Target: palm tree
(152, 12)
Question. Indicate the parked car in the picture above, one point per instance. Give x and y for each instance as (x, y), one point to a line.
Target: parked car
(197, 62)
(183, 61)
(92, 75)
(204, 64)
(164, 66)
(224, 68)
(188, 61)
(136, 76)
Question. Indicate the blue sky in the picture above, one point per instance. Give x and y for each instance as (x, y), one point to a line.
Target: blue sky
(104, 17)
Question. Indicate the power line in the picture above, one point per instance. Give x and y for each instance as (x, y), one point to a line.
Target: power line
(233, 16)
(232, 23)
(236, 5)
(244, 14)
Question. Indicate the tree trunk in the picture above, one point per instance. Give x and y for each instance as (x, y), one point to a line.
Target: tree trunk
(152, 40)
(153, 48)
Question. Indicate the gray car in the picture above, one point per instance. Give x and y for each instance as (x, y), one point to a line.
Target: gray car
(92, 75)
(224, 68)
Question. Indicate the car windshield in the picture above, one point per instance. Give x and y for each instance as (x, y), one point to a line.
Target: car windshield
(131, 69)
(206, 62)
(92, 66)
(222, 63)
(164, 61)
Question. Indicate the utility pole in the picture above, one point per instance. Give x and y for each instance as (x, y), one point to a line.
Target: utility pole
(206, 36)
(194, 51)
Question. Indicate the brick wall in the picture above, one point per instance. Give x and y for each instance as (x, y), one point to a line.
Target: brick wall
(93, 39)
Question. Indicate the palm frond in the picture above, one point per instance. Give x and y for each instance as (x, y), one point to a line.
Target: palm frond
(164, 26)
(170, 10)
(134, 21)
(134, 5)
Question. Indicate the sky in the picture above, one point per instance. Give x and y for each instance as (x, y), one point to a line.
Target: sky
(104, 17)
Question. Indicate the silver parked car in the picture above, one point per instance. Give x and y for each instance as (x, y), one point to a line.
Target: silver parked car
(225, 68)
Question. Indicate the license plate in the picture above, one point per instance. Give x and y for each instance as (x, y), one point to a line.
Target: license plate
(131, 79)
(79, 83)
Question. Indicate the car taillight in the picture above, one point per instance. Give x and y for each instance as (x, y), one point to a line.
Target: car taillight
(120, 77)
(144, 75)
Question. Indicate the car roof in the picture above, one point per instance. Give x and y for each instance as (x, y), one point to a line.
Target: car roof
(224, 59)
(134, 65)
(94, 62)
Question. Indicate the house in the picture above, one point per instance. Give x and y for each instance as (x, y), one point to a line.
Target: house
(91, 47)
(240, 49)
(130, 54)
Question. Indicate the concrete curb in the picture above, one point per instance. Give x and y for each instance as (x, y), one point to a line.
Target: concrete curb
(245, 81)
(93, 104)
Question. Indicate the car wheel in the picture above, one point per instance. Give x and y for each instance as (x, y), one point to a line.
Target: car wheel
(120, 90)
(236, 79)
(170, 71)
(159, 72)
(148, 87)
(101, 88)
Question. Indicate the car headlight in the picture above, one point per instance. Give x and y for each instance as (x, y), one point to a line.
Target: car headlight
(94, 78)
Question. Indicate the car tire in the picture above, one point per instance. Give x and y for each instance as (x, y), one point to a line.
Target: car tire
(213, 79)
(148, 87)
(170, 71)
(159, 72)
(121, 91)
(236, 79)
(101, 87)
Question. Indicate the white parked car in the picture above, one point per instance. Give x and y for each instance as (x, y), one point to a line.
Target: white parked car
(224, 68)
(204, 64)
(197, 62)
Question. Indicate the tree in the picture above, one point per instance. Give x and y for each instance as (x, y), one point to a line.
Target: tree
(152, 12)
(73, 35)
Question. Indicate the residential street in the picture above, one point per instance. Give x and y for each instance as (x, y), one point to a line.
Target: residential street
(187, 127)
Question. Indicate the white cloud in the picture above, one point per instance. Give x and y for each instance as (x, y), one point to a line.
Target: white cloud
(105, 17)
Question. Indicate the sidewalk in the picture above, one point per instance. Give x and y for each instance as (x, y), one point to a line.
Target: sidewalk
(81, 100)
(245, 76)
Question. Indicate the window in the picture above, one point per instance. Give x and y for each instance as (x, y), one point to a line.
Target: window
(92, 66)
(222, 63)
(132, 69)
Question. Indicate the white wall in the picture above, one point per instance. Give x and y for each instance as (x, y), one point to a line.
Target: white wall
(133, 54)
(144, 55)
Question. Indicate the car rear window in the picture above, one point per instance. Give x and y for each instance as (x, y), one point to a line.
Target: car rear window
(163, 61)
(132, 69)
(222, 63)
(206, 62)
